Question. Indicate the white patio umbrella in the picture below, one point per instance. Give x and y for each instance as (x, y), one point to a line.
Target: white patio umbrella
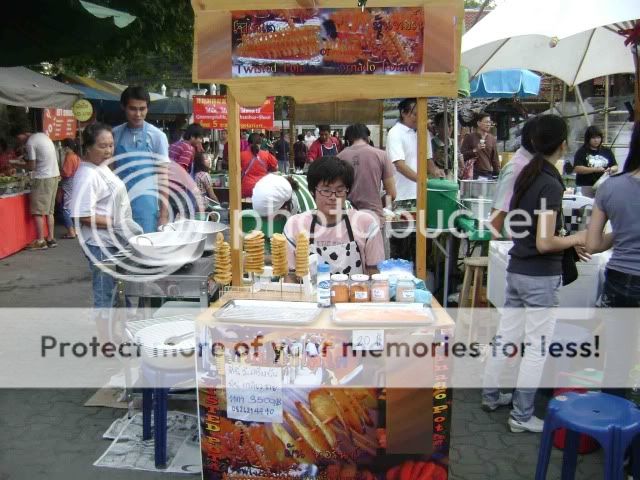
(573, 40)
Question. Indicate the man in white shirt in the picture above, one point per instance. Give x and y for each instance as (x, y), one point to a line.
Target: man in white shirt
(402, 149)
(42, 160)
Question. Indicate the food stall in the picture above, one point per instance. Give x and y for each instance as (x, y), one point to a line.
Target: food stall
(17, 228)
(318, 394)
(256, 420)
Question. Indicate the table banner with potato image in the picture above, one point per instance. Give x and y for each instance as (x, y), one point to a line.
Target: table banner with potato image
(294, 403)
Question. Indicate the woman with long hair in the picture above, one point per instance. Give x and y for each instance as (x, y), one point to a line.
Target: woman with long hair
(592, 160)
(255, 163)
(618, 201)
(534, 274)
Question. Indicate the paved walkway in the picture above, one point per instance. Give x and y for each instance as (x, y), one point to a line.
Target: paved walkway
(50, 434)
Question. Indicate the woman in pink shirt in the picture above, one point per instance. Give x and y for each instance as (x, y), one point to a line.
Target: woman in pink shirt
(350, 241)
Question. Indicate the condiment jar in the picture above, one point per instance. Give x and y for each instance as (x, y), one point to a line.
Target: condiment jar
(359, 289)
(405, 289)
(379, 288)
(339, 288)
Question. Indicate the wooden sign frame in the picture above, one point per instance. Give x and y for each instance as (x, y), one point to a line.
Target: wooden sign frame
(442, 37)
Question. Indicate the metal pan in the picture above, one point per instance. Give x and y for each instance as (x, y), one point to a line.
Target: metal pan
(205, 227)
(168, 248)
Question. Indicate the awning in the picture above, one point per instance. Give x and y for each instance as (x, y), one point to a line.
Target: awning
(22, 87)
(96, 89)
(505, 83)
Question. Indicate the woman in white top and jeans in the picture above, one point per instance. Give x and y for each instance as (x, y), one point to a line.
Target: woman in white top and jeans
(102, 212)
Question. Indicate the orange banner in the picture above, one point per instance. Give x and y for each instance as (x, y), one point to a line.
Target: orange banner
(211, 112)
(327, 41)
(59, 124)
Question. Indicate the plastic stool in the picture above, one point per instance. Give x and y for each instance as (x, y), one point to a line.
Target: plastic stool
(612, 421)
(474, 268)
(157, 399)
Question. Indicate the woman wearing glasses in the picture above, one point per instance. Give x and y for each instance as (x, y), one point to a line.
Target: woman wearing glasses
(349, 241)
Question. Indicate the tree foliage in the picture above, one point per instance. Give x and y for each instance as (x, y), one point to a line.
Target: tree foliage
(155, 49)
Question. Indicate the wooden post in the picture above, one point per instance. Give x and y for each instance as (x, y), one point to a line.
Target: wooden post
(381, 133)
(455, 139)
(235, 197)
(447, 133)
(292, 132)
(605, 140)
(421, 192)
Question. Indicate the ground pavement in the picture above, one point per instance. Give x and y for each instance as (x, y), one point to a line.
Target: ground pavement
(50, 434)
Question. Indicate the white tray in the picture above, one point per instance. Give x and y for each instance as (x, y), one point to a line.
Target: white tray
(274, 313)
(382, 314)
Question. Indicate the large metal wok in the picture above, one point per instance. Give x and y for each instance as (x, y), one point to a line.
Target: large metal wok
(478, 189)
(205, 227)
(167, 248)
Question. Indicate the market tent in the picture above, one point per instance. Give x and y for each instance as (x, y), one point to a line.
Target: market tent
(97, 89)
(171, 106)
(573, 40)
(22, 87)
(34, 31)
(505, 84)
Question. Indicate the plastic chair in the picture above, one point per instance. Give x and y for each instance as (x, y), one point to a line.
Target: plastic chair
(472, 289)
(614, 422)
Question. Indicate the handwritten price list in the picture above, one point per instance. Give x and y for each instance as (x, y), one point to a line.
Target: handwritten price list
(254, 394)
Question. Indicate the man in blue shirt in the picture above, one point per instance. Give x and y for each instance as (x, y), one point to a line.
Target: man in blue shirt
(142, 158)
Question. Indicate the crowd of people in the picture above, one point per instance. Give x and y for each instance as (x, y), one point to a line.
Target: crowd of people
(122, 183)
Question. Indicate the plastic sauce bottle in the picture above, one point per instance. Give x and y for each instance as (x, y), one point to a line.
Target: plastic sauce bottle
(379, 288)
(323, 291)
(339, 288)
(359, 289)
(405, 289)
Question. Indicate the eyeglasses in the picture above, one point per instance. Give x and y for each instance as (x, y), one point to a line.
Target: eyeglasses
(339, 193)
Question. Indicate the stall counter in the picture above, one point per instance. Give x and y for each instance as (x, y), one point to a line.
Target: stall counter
(396, 425)
(17, 227)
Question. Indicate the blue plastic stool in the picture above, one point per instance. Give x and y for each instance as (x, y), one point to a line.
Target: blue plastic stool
(614, 422)
(157, 399)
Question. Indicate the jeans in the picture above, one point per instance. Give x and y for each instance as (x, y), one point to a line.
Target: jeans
(66, 218)
(104, 285)
(283, 166)
(621, 290)
(538, 296)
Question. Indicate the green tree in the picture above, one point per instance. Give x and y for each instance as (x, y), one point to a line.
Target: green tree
(156, 48)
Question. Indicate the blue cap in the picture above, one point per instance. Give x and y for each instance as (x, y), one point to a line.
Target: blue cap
(324, 267)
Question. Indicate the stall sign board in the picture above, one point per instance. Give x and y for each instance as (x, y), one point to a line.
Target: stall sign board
(327, 41)
(59, 124)
(211, 112)
(254, 393)
(82, 110)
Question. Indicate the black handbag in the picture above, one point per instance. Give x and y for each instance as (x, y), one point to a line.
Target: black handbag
(569, 268)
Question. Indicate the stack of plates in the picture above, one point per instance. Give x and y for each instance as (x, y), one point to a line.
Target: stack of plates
(168, 345)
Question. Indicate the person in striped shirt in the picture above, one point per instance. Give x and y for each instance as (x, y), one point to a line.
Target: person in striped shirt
(183, 151)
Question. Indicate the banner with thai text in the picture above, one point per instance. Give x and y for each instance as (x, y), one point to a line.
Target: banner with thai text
(211, 112)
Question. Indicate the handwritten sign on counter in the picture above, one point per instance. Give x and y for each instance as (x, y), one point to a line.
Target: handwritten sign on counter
(254, 394)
